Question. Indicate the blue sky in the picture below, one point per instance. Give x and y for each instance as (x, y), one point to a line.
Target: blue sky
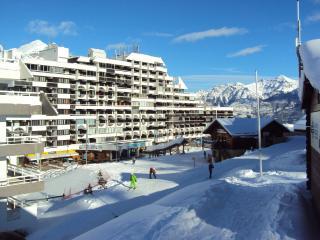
(207, 42)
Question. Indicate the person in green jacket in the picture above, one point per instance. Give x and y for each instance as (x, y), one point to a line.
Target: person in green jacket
(133, 181)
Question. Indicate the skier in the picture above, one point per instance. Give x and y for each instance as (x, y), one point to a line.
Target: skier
(152, 171)
(210, 169)
(133, 181)
(133, 160)
(88, 189)
(101, 181)
(204, 155)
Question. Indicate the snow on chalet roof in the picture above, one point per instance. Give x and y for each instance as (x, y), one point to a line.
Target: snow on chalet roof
(163, 146)
(310, 55)
(241, 126)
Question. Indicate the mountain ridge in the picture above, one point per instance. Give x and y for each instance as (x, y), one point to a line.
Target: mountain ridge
(279, 98)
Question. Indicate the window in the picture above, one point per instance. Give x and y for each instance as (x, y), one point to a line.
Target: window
(32, 67)
(44, 68)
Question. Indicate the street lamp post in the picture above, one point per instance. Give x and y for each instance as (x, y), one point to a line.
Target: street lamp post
(259, 124)
(87, 127)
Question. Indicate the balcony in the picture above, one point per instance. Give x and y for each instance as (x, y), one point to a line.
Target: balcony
(21, 145)
(111, 124)
(128, 124)
(120, 124)
(21, 185)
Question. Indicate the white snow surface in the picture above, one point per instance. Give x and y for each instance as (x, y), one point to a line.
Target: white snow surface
(182, 203)
(166, 145)
(310, 55)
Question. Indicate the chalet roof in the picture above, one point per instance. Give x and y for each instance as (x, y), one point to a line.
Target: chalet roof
(310, 56)
(242, 126)
(164, 146)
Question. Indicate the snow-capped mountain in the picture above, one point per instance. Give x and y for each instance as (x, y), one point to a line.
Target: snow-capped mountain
(32, 47)
(279, 98)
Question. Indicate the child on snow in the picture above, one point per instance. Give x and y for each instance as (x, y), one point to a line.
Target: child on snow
(133, 181)
(152, 171)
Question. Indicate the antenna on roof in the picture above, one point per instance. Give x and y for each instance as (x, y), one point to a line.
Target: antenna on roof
(298, 39)
(135, 48)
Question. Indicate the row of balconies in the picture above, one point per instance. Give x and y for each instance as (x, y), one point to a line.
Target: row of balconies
(129, 134)
(124, 124)
(94, 97)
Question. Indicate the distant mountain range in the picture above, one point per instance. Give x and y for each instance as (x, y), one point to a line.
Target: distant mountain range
(32, 47)
(27, 49)
(279, 98)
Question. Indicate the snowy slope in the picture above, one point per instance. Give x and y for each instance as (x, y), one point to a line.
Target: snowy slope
(183, 204)
(237, 204)
(279, 98)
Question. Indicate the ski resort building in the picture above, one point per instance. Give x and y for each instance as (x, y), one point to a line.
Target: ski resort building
(109, 107)
(309, 73)
(15, 180)
(232, 137)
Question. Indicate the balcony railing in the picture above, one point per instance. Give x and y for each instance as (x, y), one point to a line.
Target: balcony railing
(22, 140)
(21, 179)
(17, 93)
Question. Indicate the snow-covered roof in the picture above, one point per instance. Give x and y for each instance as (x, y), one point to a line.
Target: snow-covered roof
(289, 126)
(163, 146)
(144, 58)
(310, 55)
(300, 125)
(241, 126)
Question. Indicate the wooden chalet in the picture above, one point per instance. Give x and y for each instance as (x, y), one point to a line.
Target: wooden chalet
(162, 148)
(309, 86)
(233, 136)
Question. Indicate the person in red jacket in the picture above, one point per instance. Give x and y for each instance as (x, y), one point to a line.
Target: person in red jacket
(152, 171)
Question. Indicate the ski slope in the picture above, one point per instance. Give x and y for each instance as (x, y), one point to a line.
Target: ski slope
(184, 204)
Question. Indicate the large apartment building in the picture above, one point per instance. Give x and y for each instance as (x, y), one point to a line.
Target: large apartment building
(110, 107)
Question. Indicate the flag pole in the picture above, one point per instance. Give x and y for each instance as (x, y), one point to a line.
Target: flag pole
(259, 124)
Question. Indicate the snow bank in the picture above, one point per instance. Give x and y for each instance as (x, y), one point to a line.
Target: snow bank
(218, 210)
(236, 205)
(183, 204)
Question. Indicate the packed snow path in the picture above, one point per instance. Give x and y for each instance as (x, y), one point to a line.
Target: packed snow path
(184, 204)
